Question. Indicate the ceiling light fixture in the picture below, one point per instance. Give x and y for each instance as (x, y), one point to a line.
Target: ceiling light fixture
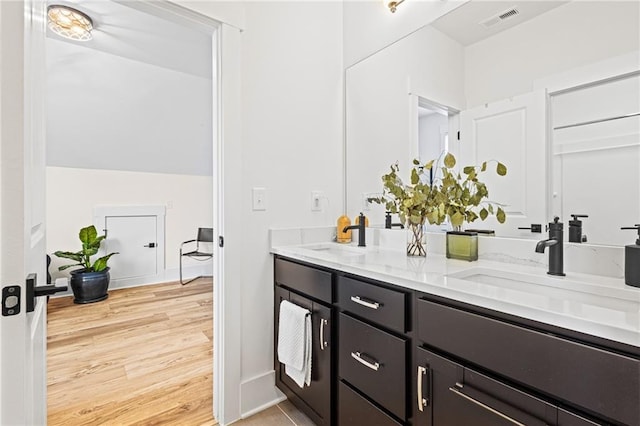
(393, 5)
(69, 23)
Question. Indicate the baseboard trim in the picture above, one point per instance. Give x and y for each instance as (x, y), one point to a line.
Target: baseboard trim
(259, 393)
(167, 275)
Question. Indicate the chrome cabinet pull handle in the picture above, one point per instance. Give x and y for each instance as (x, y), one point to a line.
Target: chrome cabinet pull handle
(422, 402)
(457, 389)
(323, 343)
(358, 357)
(361, 301)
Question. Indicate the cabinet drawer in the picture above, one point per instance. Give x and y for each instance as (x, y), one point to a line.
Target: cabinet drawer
(356, 410)
(595, 380)
(378, 304)
(374, 362)
(305, 279)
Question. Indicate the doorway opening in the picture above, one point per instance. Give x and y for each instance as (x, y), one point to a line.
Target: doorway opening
(132, 120)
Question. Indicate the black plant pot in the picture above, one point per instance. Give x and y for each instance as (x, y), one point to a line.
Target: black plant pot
(89, 287)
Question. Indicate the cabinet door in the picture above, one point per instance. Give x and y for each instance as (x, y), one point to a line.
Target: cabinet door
(315, 399)
(449, 394)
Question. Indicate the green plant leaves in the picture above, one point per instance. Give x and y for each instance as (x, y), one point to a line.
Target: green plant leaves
(90, 247)
(101, 263)
(88, 235)
(449, 160)
(449, 195)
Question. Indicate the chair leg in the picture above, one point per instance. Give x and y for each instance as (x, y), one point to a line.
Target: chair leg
(181, 280)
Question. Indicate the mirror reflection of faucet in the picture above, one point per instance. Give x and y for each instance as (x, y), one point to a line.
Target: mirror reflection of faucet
(575, 229)
(388, 224)
(555, 245)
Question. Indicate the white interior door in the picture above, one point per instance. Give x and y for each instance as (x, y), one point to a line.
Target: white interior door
(135, 238)
(22, 237)
(513, 132)
(595, 150)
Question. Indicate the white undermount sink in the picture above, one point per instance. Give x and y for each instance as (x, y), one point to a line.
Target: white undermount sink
(342, 250)
(561, 295)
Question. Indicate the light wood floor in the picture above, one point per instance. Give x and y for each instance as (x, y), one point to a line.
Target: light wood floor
(143, 356)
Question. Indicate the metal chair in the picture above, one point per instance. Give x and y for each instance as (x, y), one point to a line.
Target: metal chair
(205, 235)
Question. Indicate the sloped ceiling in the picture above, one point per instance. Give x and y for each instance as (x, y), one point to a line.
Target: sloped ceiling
(126, 29)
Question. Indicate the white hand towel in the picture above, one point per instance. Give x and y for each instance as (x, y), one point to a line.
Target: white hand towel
(294, 342)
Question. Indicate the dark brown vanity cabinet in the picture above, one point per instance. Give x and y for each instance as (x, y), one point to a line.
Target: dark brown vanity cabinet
(291, 279)
(449, 394)
(384, 355)
(373, 353)
(567, 376)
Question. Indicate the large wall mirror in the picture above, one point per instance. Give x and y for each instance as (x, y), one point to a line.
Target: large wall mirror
(550, 88)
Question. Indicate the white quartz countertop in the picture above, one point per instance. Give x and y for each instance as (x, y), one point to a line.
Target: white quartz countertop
(599, 306)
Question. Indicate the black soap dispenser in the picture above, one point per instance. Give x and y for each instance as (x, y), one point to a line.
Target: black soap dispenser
(575, 229)
(632, 260)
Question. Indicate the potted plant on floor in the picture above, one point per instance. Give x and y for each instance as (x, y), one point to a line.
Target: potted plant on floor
(91, 282)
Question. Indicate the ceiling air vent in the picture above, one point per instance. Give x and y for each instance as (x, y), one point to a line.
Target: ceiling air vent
(499, 17)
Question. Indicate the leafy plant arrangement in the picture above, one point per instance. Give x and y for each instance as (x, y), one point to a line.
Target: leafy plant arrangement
(90, 246)
(464, 195)
(452, 196)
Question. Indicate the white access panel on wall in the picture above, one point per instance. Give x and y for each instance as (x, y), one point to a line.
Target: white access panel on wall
(513, 132)
(137, 234)
(135, 239)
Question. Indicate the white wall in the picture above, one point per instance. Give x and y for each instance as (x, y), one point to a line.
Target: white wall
(291, 144)
(73, 193)
(369, 25)
(570, 36)
(382, 101)
(109, 112)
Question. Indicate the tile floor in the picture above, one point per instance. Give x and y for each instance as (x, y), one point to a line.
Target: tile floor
(283, 414)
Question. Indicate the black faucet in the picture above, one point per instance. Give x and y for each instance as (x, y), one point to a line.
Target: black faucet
(360, 226)
(388, 224)
(556, 258)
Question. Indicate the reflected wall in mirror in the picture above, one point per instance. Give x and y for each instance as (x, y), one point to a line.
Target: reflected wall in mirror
(505, 77)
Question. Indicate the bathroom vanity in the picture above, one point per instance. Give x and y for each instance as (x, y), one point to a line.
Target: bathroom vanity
(403, 341)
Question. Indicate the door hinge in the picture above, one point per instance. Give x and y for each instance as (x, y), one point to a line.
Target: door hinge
(220, 241)
(458, 134)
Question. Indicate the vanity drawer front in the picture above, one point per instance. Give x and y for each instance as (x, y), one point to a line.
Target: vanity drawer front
(378, 304)
(305, 279)
(374, 362)
(353, 409)
(593, 379)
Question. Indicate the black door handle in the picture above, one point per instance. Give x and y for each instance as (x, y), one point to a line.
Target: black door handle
(34, 291)
(150, 245)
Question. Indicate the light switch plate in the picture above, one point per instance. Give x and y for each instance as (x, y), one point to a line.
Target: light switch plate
(259, 199)
(316, 201)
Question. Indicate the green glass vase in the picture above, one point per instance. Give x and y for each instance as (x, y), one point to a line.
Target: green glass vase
(462, 245)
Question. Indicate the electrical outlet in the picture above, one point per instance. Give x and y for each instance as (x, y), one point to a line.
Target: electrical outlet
(259, 199)
(316, 201)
